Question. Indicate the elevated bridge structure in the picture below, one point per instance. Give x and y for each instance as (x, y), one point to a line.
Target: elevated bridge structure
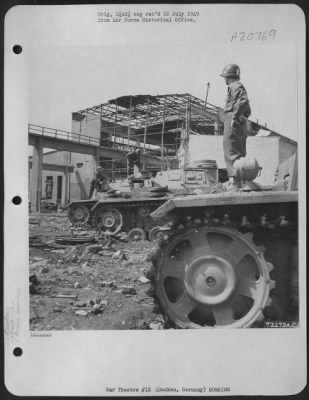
(43, 137)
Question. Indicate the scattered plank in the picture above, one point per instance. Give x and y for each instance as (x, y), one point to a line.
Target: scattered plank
(64, 296)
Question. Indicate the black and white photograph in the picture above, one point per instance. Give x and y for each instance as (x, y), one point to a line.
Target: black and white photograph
(155, 180)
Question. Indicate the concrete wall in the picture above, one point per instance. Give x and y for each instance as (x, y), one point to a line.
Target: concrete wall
(79, 180)
(55, 157)
(84, 170)
(84, 165)
(206, 147)
(89, 126)
(55, 176)
(267, 150)
(287, 149)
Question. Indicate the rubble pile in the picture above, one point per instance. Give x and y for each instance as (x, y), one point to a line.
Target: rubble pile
(81, 280)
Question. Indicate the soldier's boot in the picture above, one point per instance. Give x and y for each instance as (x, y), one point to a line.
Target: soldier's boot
(232, 185)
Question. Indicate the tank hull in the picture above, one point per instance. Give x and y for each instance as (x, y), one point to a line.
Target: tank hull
(133, 212)
(239, 234)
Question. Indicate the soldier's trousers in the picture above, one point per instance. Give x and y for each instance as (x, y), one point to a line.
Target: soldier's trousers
(234, 142)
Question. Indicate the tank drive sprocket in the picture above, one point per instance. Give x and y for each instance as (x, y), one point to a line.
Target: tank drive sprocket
(212, 277)
(78, 215)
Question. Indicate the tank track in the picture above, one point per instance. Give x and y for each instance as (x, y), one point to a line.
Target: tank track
(122, 207)
(90, 220)
(244, 227)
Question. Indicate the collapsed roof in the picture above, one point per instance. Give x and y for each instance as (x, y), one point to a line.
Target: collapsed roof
(140, 111)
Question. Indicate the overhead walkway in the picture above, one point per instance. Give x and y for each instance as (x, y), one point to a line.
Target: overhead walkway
(77, 143)
(43, 137)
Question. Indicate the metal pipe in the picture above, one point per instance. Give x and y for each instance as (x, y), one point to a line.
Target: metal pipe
(129, 124)
(146, 123)
(115, 121)
(207, 90)
(162, 133)
(218, 123)
(187, 132)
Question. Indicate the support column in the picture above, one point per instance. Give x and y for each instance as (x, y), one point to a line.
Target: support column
(36, 176)
(217, 124)
(66, 186)
(97, 158)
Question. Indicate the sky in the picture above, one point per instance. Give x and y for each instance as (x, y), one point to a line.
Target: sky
(74, 62)
(64, 79)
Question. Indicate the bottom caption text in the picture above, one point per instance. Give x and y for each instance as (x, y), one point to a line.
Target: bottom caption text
(157, 389)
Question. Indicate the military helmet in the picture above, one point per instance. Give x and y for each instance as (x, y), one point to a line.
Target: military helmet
(231, 71)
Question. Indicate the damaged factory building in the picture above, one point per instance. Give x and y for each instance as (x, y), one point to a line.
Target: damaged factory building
(104, 134)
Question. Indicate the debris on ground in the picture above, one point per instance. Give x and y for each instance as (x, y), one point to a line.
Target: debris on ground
(143, 279)
(94, 248)
(128, 290)
(97, 309)
(82, 313)
(33, 284)
(104, 280)
(74, 239)
(156, 325)
(64, 296)
(120, 255)
(80, 304)
(108, 284)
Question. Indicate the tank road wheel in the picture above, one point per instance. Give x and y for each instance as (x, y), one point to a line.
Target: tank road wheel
(78, 215)
(108, 220)
(213, 277)
(155, 234)
(136, 235)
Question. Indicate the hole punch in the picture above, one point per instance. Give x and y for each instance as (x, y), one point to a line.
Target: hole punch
(17, 351)
(16, 200)
(17, 49)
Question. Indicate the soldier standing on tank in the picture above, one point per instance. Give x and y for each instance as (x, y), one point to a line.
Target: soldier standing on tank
(99, 182)
(134, 162)
(236, 112)
(134, 165)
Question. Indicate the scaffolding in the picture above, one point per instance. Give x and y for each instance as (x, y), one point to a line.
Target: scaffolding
(140, 111)
(152, 123)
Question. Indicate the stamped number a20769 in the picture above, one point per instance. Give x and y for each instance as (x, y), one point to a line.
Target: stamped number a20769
(247, 36)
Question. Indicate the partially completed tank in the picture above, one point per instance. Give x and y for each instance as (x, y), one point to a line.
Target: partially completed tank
(229, 260)
(112, 213)
(128, 209)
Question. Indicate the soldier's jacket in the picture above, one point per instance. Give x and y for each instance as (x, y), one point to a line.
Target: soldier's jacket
(134, 159)
(100, 183)
(237, 101)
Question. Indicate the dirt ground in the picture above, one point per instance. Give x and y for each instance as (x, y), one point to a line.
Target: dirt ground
(98, 284)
